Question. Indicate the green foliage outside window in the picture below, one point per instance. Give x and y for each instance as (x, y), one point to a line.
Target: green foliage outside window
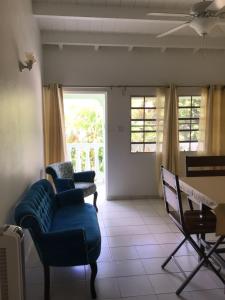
(189, 113)
(143, 124)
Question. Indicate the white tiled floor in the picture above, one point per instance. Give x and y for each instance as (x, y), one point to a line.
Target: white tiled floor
(136, 238)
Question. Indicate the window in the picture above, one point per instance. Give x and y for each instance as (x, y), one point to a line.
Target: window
(189, 112)
(143, 124)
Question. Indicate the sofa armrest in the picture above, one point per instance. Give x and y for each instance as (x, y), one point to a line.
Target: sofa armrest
(64, 236)
(86, 176)
(61, 248)
(70, 197)
(63, 184)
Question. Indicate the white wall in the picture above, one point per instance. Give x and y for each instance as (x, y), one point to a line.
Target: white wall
(21, 150)
(130, 174)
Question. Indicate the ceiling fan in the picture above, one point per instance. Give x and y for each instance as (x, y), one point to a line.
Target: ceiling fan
(200, 18)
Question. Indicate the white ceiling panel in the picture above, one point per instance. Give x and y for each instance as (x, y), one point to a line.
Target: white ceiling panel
(105, 25)
(120, 17)
(174, 4)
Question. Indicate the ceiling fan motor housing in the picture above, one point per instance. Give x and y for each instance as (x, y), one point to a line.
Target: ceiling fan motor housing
(199, 8)
(203, 25)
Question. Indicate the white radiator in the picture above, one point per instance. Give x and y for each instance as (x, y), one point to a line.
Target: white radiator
(12, 274)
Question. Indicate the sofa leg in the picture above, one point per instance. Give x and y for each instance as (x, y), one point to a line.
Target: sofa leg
(94, 270)
(46, 282)
(95, 200)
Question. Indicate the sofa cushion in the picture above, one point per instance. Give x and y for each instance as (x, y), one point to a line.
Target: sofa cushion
(62, 185)
(61, 170)
(65, 170)
(80, 216)
(88, 188)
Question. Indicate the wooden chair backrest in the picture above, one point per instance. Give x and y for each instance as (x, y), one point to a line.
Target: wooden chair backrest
(205, 166)
(172, 196)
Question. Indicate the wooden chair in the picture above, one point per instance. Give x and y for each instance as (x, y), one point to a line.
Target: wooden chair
(197, 166)
(188, 222)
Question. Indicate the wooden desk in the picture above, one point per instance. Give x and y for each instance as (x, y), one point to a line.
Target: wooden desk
(209, 191)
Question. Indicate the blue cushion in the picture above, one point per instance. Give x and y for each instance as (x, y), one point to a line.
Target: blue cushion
(71, 217)
(63, 184)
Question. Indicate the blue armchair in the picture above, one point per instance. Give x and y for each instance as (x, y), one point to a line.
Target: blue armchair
(64, 229)
(65, 178)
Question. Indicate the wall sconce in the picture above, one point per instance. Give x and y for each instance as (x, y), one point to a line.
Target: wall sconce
(28, 63)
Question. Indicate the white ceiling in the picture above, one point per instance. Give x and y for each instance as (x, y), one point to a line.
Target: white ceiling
(174, 4)
(121, 23)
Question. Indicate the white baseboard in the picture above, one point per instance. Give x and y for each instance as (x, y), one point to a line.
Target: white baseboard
(134, 197)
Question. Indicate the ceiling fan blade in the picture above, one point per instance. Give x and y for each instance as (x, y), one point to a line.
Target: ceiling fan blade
(158, 14)
(173, 30)
(221, 21)
(220, 13)
(221, 29)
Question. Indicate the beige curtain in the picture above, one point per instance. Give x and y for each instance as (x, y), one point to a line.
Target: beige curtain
(167, 143)
(161, 94)
(54, 125)
(170, 150)
(204, 121)
(212, 121)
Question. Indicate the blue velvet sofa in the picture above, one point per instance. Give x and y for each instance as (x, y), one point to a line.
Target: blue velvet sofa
(65, 178)
(64, 229)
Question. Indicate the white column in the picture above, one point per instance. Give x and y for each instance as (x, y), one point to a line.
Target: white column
(78, 157)
(87, 160)
(96, 149)
(69, 150)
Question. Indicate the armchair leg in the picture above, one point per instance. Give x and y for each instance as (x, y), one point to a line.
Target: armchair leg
(94, 270)
(95, 200)
(190, 204)
(46, 282)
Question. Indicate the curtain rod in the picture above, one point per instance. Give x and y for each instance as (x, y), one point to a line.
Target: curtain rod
(128, 86)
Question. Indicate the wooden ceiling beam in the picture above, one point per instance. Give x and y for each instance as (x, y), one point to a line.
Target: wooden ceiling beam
(129, 41)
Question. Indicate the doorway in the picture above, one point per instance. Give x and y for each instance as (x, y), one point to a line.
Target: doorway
(85, 132)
